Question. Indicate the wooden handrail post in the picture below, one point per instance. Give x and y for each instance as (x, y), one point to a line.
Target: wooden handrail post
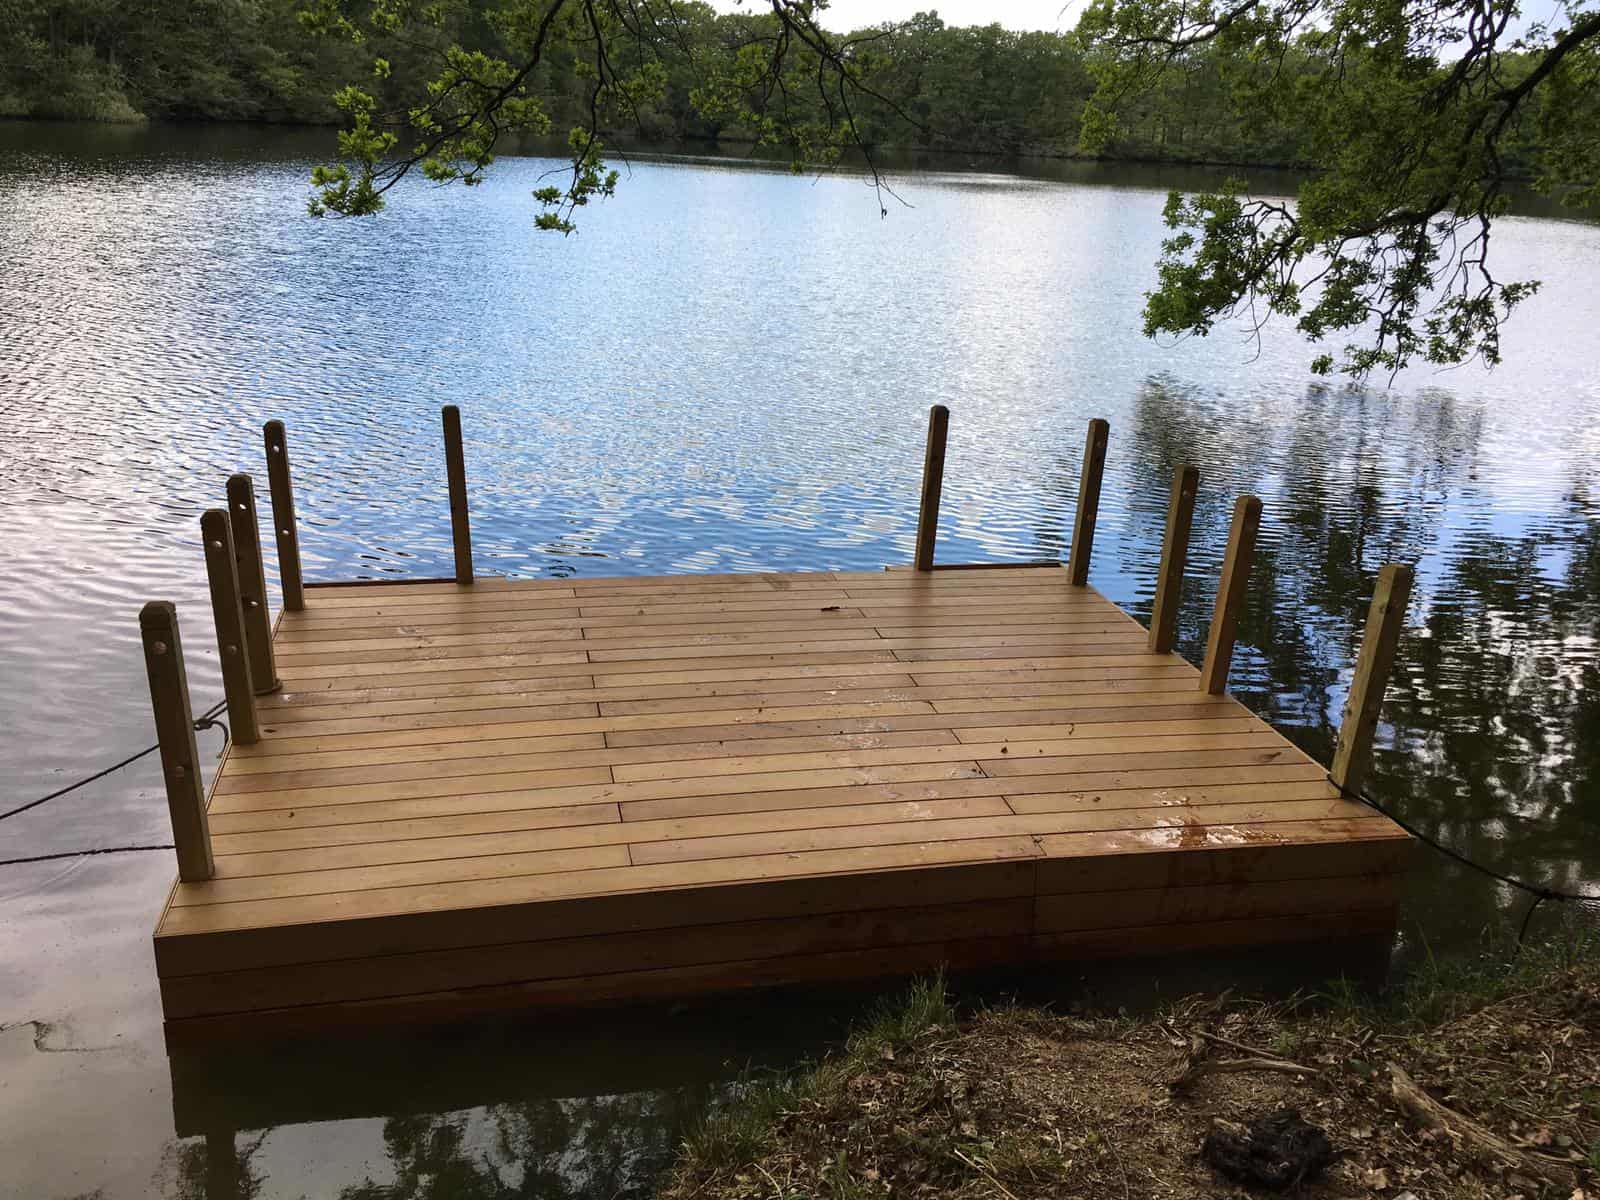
(180, 758)
(222, 1165)
(1174, 553)
(1231, 594)
(283, 523)
(223, 573)
(1385, 620)
(456, 469)
(1094, 465)
(252, 582)
(932, 486)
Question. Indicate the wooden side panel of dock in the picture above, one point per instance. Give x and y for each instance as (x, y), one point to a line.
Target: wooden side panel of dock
(572, 791)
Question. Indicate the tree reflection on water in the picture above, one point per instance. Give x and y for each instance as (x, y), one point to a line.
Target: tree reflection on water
(581, 1105)
(1490, 741)
(603, 1148)
(610, 1146)
(1489, 730)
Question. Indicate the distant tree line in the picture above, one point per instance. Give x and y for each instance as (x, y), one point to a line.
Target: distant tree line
(983, 89)
(126, 60)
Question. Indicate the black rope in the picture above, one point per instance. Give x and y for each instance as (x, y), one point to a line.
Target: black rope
(72, 787)
(37, 858)
(1538, 891)
(1527, 919)
(206, 720)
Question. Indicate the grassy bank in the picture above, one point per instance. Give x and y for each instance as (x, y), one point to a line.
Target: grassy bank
(1481, 1079)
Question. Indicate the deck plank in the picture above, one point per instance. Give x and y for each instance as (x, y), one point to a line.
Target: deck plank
(371, 865)
(449, 837)
(680, 629)
(499, 790)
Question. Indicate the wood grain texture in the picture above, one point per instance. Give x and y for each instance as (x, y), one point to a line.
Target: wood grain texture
(1229, 608)
(1385, 621)
(175, 735)
(252, 581)
(932, 486)
(227, 612)
(456, 476)
(285, 529)
(473, 796)
(1088, 515)
(1174, 556)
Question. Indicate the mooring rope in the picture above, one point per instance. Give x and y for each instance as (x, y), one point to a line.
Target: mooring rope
(206, 720)
(210, 720)
(37, 858)
(1538, 891)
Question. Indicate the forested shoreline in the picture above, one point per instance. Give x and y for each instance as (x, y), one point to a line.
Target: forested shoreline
(976, 90)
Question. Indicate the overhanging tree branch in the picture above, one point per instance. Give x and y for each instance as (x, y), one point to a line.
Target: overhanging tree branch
(1416, 155)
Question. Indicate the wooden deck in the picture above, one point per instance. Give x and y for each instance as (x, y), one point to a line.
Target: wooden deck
(508, 794)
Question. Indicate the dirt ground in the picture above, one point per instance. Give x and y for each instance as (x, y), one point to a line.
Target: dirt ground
(1500, 1098)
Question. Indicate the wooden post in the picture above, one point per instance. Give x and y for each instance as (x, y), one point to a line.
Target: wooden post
(1385, 619)
(180, 759)
(456, 468)
(229, 614)
(1174, 552)
(1094, 465)
(252, 582)
(283, 524)
(932, 486)
(1231, 594)
(222, 1166)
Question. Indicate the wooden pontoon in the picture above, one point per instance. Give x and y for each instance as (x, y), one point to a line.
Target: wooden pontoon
(453, 797)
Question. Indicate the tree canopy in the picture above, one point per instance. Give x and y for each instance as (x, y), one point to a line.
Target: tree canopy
(1419, 115)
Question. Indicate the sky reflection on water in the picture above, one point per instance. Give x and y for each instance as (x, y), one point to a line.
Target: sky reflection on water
(725, 370)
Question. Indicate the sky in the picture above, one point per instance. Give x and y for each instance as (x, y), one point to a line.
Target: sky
(1013, 14)
(1055, 15)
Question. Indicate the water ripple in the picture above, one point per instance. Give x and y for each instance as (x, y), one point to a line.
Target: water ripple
(728, 371)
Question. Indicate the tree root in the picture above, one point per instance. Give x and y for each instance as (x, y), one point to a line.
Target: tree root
(1483, 1143)
(1197, 1063)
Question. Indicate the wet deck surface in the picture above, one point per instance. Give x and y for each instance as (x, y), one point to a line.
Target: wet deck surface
(557, 792)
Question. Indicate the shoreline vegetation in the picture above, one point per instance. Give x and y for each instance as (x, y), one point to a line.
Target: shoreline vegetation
(728, 148)
(1469, 1079)
(982, 91)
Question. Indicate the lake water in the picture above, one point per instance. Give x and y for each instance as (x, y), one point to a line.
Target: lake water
(726, 369)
